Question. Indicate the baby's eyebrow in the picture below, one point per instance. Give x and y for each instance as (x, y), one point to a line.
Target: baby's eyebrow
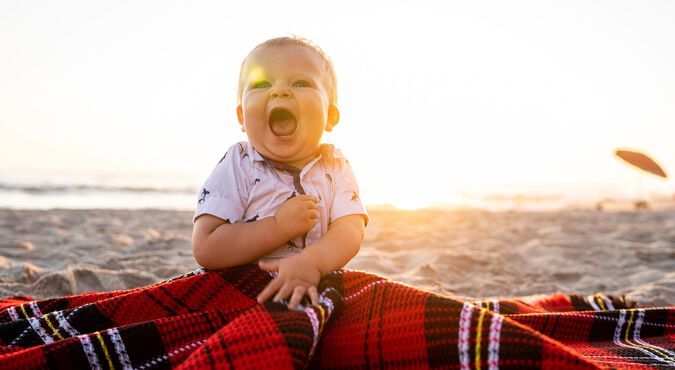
(305, 76)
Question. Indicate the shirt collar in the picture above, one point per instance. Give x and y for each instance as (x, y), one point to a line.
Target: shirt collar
(253, 154)
(326, 151)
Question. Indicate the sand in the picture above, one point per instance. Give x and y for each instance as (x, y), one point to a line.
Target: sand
(469, 254)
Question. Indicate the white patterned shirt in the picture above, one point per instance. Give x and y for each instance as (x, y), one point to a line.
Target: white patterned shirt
(246, 187)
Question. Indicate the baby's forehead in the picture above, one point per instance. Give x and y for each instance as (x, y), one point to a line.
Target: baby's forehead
(269, 58)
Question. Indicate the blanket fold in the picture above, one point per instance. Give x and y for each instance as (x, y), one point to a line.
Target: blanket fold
(212, 320)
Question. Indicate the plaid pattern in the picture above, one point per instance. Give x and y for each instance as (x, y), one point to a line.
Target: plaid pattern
(211, 320)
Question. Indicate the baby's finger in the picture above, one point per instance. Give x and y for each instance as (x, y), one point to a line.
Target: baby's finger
(283, 293)
(310, 199)
(298, 294)
(313, 295)
(312, 214)
(272, 266)
(269, 290)
(309, 204)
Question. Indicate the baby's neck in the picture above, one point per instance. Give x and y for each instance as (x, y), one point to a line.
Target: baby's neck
(297, 165)
(300, 164)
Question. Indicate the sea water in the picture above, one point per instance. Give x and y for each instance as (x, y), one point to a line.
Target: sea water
(50, 190)
(45, 190)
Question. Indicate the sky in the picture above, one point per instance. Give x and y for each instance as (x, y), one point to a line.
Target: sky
(436, 98)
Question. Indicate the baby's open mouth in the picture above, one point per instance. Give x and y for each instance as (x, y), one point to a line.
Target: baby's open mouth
(282, 122)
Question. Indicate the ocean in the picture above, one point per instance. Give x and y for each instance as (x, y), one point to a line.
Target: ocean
(47, 190)
(43, 190)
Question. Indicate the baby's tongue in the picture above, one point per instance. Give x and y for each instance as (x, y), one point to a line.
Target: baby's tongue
(282, 122)
(283, 128)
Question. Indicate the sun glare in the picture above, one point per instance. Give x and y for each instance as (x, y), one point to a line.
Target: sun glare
(256, 74)
(515, 100)
(411, 204)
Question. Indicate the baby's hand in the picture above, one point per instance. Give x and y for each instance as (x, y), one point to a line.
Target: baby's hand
(297, 278)
(297, 216)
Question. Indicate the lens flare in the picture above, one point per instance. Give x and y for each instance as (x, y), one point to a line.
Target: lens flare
(256, 74)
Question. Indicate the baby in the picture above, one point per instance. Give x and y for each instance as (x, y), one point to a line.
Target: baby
(282, 199)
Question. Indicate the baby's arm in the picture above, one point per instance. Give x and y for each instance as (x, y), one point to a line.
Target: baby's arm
(218, 244)
(339, 245)
(299, 275)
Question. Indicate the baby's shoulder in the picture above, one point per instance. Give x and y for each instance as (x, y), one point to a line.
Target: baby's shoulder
(237, 156)
(240, 148)
(236, 152)
(333, 155)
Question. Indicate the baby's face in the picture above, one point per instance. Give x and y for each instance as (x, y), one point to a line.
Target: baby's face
(285, 105)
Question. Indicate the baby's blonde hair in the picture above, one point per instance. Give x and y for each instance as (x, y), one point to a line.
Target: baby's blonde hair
(330, 81)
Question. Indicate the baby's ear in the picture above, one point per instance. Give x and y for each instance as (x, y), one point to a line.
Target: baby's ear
(333, 117)
(240, 114)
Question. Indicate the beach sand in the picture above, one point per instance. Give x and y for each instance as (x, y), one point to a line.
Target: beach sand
(468, 254)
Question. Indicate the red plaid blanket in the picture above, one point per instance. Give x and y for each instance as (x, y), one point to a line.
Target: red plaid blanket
(211, 320)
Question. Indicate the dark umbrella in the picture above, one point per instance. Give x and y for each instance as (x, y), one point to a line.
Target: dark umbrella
(642, 162)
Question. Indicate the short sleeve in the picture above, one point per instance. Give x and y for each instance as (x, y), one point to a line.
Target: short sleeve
(224, 193)
(346, 197)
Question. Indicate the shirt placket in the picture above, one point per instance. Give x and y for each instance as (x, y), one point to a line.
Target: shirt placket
(297, 184)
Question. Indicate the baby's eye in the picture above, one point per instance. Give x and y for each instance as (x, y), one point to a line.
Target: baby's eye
(300, 83)
(261, 85)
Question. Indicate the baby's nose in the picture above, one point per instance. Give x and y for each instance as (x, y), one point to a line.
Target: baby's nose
(280, 92)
